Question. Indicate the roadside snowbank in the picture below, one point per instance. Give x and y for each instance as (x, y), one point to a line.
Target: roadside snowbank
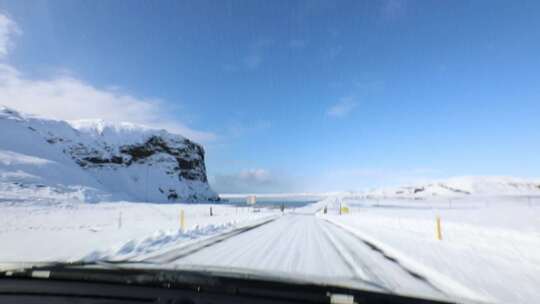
(65, 232)
(158, 240)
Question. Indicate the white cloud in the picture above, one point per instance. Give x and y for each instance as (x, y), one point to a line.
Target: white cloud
(257, 175)
(342, 108)
(66, 97)
(8, 29)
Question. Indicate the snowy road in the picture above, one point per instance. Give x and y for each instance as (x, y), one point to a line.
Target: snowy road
(304, 245)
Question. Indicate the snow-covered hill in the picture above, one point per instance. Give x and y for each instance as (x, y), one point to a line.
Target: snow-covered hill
(93, 160)
(462, 186)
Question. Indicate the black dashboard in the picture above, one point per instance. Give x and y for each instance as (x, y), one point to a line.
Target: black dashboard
(81, 285)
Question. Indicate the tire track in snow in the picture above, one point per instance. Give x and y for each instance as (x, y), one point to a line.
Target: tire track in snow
(292, 244)
(304, 245)
(361, 271)
(387, 280)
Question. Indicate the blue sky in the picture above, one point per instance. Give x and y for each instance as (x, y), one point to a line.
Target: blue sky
(295, 95)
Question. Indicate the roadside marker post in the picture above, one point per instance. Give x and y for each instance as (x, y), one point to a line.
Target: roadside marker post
(182, 220)
(438, 224)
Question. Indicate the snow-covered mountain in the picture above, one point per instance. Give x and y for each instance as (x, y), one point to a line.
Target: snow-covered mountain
(461, 186)
(93, 160)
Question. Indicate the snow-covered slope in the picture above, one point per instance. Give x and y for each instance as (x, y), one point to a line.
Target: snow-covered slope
(462, 186)
(93, 160)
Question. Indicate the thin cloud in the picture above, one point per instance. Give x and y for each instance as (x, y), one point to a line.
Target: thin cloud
(393, 9)
(253, 61)
(297, 44)
(342, 108)
(251, 181)
(261, 43)
(241, 128)
(359, 179)
(69, 98)
(255, 56)
(8, 29)
(368, 87)
(334, 51)
(230, 67)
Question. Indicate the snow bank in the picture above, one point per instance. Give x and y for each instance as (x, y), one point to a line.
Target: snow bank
(68, 231)
(157, 241)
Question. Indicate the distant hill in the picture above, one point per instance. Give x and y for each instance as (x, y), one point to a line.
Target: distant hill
(461, 186)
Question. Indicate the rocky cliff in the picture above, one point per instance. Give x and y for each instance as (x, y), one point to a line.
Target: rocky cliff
(108, 161)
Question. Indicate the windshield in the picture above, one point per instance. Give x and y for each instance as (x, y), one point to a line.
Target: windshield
(389, 145)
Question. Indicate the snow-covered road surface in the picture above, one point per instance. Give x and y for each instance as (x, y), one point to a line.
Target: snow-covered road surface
(308, 246)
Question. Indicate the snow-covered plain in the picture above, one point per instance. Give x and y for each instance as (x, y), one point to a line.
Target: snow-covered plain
(490, 245)
(66, 232)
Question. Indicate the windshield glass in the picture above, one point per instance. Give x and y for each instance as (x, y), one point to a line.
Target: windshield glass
(388, 145)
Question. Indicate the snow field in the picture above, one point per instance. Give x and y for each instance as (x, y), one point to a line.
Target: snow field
(490, 247)
(47, 232)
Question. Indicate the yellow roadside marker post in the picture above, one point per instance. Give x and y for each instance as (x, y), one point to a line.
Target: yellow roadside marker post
(438, 224)
(182, 220)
